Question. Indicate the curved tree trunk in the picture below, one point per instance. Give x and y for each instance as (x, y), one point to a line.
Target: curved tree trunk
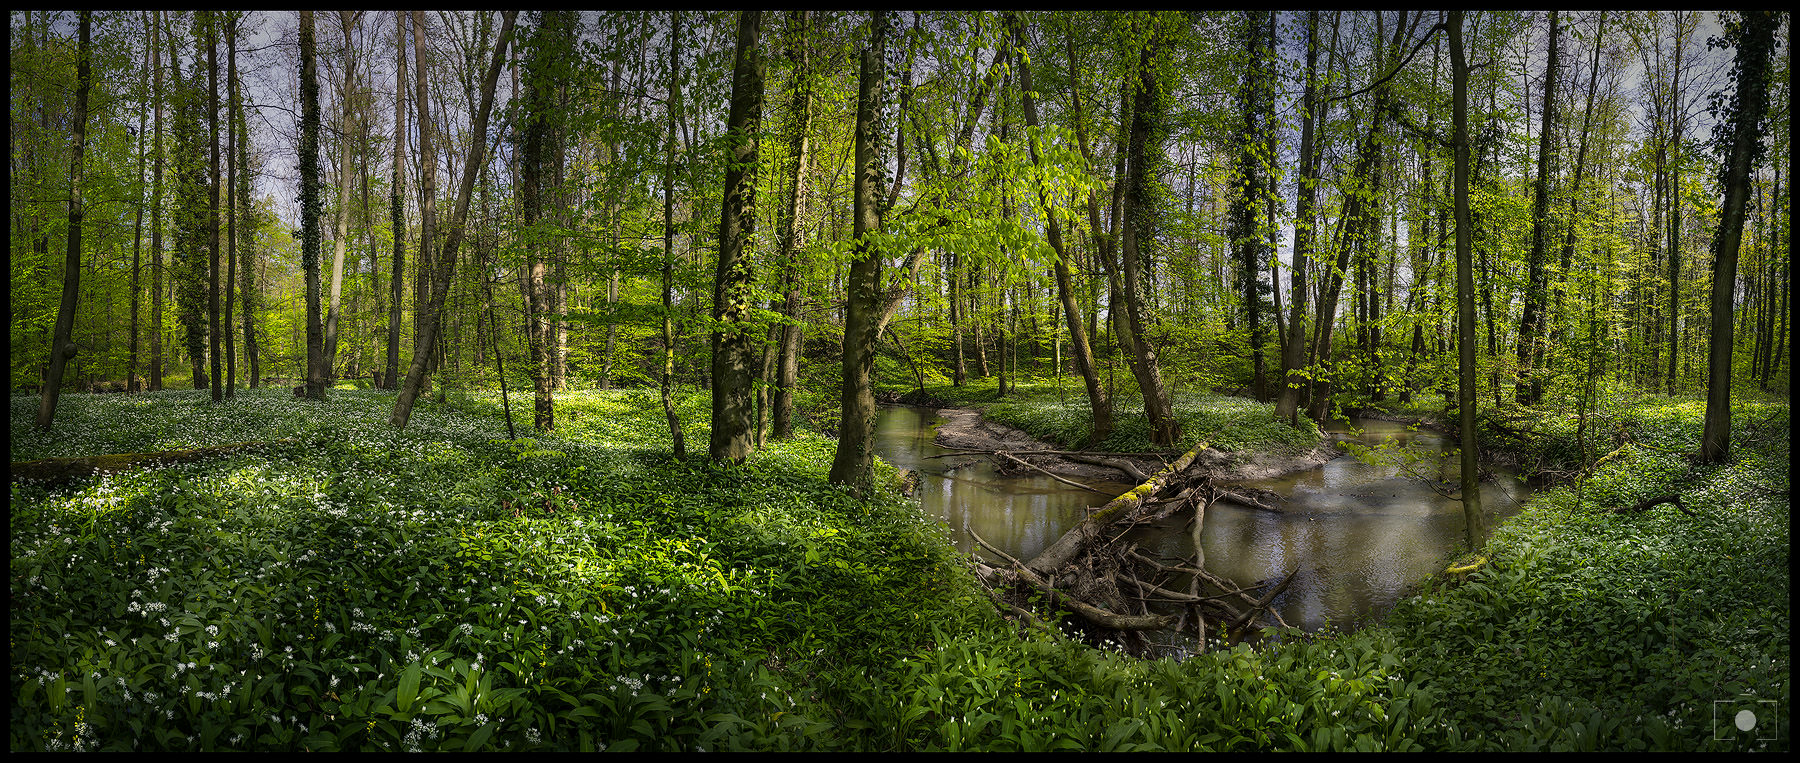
(61, 346)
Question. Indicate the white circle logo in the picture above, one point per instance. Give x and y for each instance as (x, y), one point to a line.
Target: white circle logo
(1746, 720)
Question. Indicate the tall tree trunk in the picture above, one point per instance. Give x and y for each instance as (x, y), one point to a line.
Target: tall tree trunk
(231, 204)
(1755, 35)
(247, 287)
(1293, 356)
(309, 207)
(732, 342)
(1674, 195)
(1474, 521)
(1530, 386)
(345, 19)
(156, 214)
(852, 464)
(137, 233)
(1568, 247)
(212, 122)
(396, 210)
(1138, 227)
(788, 232)
(1098, 402)
(62, 346)
(428, 335)
(668, 254)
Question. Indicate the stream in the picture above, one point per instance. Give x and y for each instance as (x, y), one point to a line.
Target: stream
(1361, 534)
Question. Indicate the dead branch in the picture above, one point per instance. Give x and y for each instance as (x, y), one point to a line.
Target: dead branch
(1236, 629)
(58, 470)
(1041, 470)
(1657, 501)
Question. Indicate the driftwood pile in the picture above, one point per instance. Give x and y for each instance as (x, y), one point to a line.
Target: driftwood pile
(1121, 592)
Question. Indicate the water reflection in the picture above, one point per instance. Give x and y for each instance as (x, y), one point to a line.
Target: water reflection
(1359, 532)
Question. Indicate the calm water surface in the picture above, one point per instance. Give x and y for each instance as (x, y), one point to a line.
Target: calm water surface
(1360, 533)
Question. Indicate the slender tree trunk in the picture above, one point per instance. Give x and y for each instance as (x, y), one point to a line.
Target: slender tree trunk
(1756, 39)
(231, 204)
(1474, 521)
(788, 234)
(137, 234)
(156, 213)
(212, 122)
(345, 19)
(1098, 402)
(852, 464)
(62, 346)
(668, 253)
(1677, 114)
(1287, 406)
(396, 210)
(1530, 386)
(247, 287)
(428, 336)
(1137, 226)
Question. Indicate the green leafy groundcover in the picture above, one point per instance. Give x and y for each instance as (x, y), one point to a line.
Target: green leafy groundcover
(442, 587)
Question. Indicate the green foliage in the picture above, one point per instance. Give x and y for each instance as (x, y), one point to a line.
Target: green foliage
(1594, 630)
(442, 587)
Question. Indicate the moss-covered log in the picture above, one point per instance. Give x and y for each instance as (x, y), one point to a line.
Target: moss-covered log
(1071, 544)
(59, 470)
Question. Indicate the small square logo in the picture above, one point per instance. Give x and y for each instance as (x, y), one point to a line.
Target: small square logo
(1745, 719)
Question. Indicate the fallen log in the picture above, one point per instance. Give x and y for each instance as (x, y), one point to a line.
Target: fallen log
(1041, 470)
(1088, 611)
(59, 470)
(1236, 629)
(1244, 500)
(1073, 542)
(1127, 467)
(1657, 501)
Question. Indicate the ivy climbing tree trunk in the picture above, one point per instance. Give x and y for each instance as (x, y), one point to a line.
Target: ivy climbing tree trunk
(309, 206)
(732, 340)
(851, 464)
(1754, 32)
(1530, 386)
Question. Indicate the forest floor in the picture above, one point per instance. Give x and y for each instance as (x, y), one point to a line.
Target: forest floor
(444, 587)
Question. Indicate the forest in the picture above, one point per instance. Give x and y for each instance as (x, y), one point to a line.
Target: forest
(899, 380)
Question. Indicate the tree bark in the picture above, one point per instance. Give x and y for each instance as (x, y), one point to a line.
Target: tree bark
(397, 210)
(732, 340)
(851, 463)
(788, 232)
(668, 254)
(1755, 34)
(212, 271)
(62, 348)
(1293, 355)
(1138, 224)
(309, 207)
(1474, 521)
(1530, 386)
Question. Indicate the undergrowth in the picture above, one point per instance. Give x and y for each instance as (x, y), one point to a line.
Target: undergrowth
(443, 587)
